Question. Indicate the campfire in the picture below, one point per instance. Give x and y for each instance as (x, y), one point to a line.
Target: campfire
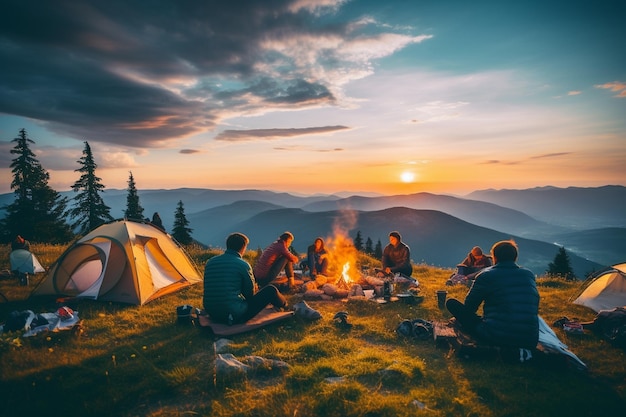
(344, 281)
(344, 278)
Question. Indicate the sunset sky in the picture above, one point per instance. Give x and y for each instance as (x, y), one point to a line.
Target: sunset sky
(318, 96)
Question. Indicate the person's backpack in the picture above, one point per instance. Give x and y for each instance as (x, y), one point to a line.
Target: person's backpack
(612, 325)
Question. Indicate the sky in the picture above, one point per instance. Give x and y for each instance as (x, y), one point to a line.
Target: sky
(318, 96)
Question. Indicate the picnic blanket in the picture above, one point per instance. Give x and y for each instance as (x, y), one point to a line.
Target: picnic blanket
(267, 316)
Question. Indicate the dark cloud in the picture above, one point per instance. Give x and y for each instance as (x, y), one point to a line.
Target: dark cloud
(189, 151)
(272, 134)
(143, 73)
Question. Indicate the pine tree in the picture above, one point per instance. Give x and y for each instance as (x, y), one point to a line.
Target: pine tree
(378, 250)
(358, 241)
(369, 246)
(89, 210)
(180, 231)
(37, 211)
(134, 211)
(561, 266)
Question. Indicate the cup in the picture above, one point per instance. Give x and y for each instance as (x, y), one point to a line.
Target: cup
(369, 293)
(441, 298)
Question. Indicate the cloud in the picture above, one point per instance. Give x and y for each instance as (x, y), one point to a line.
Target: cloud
(117, 160)
(188, 151)
(117, 72)
(514, 162)
(499, 162)
(551, 155)
(273, 134)
(574, 93)
(618, 87)
(300, 149)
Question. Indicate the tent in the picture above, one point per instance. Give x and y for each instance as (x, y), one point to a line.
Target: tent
(123, 261)
(25, 262)
(605, 290)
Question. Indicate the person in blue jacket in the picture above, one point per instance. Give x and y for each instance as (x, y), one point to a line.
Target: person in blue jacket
(510, 301)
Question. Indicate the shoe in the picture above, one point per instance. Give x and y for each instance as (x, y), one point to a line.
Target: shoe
(302, 309)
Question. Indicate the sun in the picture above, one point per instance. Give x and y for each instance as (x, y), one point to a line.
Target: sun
(407, 176)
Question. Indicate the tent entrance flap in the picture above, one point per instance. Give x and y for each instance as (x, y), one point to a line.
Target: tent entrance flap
(81, 271)
(162, 271)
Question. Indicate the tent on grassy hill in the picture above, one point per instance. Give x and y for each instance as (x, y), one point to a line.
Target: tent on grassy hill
(605, 290)
(122, 261)
(25, 262)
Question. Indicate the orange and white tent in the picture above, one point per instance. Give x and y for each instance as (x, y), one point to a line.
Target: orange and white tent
(123, 261)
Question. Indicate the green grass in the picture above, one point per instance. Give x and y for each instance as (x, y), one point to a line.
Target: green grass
(138, 361)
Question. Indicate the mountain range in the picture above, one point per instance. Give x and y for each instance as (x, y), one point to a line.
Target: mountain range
(440, 229)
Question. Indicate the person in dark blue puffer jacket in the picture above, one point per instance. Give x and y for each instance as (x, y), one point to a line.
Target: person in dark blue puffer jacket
(231, 294)
(511, 302)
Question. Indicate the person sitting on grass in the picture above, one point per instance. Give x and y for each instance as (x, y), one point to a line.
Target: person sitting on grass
(317, 258)
(396, 257)
(274, 259)
(231, 294)
(510, 302)
(474, 262)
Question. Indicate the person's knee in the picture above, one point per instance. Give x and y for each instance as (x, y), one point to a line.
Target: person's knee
(454, 306)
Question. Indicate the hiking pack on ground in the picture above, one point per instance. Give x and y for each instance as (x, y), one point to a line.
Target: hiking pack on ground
(612, 325)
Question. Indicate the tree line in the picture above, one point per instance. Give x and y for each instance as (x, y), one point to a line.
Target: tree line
(40, 214)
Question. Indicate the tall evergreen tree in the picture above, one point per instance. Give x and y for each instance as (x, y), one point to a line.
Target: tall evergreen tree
(369, 246)
(561, 265)
(134, 211)
(378, 250)
(89, 210)
(180, 231)
(37, 211)
(358, 241)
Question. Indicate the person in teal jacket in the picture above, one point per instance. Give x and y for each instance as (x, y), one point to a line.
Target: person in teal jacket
(231, 294)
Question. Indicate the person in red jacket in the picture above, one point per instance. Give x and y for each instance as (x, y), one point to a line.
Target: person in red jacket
(274, 259)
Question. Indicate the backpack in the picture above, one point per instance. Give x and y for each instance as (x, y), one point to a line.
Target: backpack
(612, 325)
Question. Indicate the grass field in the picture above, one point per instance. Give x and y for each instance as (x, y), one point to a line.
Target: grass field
(138, 361)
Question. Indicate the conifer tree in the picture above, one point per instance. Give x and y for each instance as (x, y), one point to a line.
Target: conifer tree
(180, 231)
(89, 210)
(561, 266)
(134, 211)
(37, 211)
(378, 250)
(369, 246)
(358, 241)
